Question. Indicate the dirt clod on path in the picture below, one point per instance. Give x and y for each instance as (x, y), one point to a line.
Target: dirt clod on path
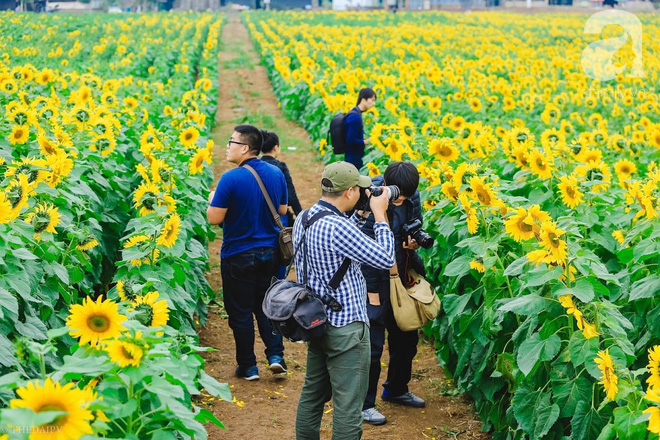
(267, 407)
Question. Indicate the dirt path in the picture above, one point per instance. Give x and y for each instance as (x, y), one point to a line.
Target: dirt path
(268, 406)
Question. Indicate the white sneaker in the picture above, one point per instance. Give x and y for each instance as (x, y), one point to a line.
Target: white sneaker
(373, 417)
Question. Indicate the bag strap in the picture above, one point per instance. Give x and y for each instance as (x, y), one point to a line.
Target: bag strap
(269, 202)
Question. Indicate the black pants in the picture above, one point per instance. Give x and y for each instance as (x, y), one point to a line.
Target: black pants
(402, 346)
(245, 279)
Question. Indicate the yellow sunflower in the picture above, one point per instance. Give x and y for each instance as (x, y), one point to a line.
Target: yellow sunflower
(624, 169)
(5, 209)
(449, 190)
(608, 378)
(18, 192)
(196, 164)
(540, 164)
(147, 197)
(47, 146)
(373, 169)
(471, 214)
(482, 191)
(595, 172)
(654, 367)
(475, 104)
(189, 136)
(444, 149)
(87, 243)
(518, 226)
(127, 291)
(95, 321)
(149, 311)
(55, 397)
(19, 134)
(618, 236)
(44, 219)
(551, 241)
(478, 266)
(124, 353)
(570, 191)
(170, 231)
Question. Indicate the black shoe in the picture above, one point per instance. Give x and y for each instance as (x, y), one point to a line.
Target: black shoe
(407, 399)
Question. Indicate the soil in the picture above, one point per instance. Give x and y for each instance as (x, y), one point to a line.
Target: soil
(268, 406)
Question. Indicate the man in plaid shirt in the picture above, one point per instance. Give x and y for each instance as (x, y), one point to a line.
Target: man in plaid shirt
(338, 362)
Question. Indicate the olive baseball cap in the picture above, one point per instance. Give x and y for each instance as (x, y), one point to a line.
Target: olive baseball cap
(339, 176)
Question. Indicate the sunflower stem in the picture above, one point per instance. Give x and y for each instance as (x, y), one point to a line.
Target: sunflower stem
(42, 365)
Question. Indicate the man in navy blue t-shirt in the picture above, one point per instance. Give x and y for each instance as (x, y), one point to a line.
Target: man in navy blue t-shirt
(355, 141)
(249, 256)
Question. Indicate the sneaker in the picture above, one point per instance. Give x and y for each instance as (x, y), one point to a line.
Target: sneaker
(248, 373)
(277, 365)
(373, 417)
(407, 399)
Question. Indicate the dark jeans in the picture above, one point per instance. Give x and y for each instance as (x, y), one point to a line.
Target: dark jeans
(354, 157)
(245, 279)
(402, 347)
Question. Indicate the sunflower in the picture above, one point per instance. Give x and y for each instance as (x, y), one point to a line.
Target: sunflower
(608, 378)
(95, 321)
(147, 198)
(5, 209)
(170, 231)
(624, 169)
(33, 168)
(449, 190)
(44, 219)
(87, 243)
(457, 123)
(149, 311)
(482, 191)
(654, 138)
(540, 164)
(570, 191)
(539, 256)
(373, 169)
(127, 291)
(196, 164)
(434, 104)
(654, 367)
(478, 266)
(551, 242)
(444, 149)
(124, 354)
(518, 227)
(470, 212)
(189, 136)
(47, 146)
(18, 192)
(475, 104)
(55, 397)
(595, 172)
(654, 419)
(509, 103)
(19, 134)
(60, 167)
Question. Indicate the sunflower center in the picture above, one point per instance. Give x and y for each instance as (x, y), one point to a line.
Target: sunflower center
(554, 240)
(59, 421)
(394, 147)
(570, 191)
(188, 136)
(445, 151)
(625, 169)
(48, 147)
(129, 291)
(524, 226)
(127, 353)
(19, 133)
(98, 323)
(540, 164)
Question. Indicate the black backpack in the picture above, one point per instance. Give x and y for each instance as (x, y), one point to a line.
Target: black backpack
(337, 133)
(295, 310)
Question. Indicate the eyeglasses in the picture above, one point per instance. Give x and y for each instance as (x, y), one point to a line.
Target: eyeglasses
(231, 141)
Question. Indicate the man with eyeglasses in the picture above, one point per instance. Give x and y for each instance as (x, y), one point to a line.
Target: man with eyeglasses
(249, 256)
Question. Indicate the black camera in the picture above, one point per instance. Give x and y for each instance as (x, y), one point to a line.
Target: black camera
(363, 202)
(414, 229)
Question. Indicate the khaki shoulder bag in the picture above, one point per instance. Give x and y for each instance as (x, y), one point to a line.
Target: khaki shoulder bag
(414, 306)
(285, 238)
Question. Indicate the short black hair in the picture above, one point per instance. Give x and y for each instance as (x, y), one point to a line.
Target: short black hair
(404, 175)
(366, 93)
(270, 140)
(251, 135)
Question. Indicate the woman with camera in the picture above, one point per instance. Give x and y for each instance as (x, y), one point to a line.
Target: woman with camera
(405, 219)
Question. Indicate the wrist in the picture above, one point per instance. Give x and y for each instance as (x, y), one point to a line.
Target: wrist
(380, 217)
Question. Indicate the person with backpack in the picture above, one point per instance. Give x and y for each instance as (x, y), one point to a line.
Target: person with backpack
(338, 361)
(347, 130)
(402, 345)
(249, 256)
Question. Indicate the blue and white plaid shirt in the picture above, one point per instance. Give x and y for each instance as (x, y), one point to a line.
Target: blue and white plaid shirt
(331, 239)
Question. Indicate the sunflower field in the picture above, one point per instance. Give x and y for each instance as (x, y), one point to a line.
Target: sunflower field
(104, 154)
(540, 185)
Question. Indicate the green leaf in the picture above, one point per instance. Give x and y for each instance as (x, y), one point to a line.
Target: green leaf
(458, 267)
(7, 352)
(24, 254)
(205, 416)
(645, 288)
(162, 387)
(543, 276)
(125, 409)
(535, 349)
(213, 387)
(570, 393)
(583, 290)
(516, 268)
(25, 417)
(586, 424)
(625, 426)
(546, 416)
(454, 305)
(8, 302)
(524, 305)
(580, 348)
(608, 433)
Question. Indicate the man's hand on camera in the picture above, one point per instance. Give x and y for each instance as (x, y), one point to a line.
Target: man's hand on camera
(379, 206)
(411, 244)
